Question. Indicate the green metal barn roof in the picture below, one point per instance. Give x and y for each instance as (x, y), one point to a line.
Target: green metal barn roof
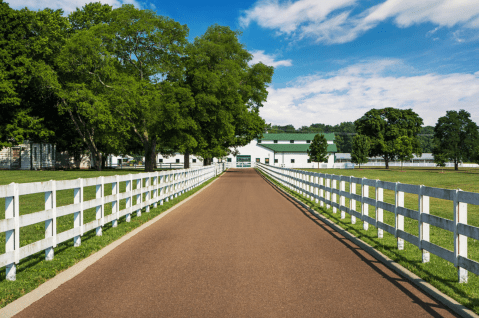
(294, 147)
(329, 136)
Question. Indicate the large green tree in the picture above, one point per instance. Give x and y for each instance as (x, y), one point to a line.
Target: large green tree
(456, 137)
(122, 73)
(384, 126)
(29, 41)
(228, 93)
(318, 149)
(85, 70)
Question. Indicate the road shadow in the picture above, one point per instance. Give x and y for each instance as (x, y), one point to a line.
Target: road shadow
(373, 264)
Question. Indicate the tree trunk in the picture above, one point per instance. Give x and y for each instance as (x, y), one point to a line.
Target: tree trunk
(456, 165)
(150, 155)
(103, 161)
(97, 158)
(186, 159)
(207, 161)
(386, 161)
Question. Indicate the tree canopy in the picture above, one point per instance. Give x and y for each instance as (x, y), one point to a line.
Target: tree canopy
(384, 126)
(360, 151)
(456, 138)
(227, 91)
(318, 149)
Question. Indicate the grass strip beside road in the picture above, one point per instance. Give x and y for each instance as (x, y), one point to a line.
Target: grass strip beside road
(34, 270)
(438, 272)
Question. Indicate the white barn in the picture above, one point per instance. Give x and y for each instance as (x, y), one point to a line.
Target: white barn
(282, 150)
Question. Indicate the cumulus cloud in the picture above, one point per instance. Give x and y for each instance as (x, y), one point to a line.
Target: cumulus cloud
(268, 59)
(67, 5)
(332, 21)
(345, 95)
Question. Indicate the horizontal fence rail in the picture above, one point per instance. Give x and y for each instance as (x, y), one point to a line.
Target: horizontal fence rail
(326, 188)
(151, 188)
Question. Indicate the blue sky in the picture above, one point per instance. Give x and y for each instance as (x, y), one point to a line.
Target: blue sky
(336, 59)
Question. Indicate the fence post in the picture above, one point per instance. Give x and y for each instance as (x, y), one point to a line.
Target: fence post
(321, 191)
(328, 190)
(352, 202)
(399, 202)
(379, 211)
(460, 241)
(129, 198)
(335, 186)
(12, 237)
(364, 206)
(155, 189)
(167, 186)
(148, 192)
(306, 185)
(51, 224)
(342, 199)
(161, 180)
(78, 216)
(176, 184)
(100, 208)
(115, 190)
(316, 188)
(423, 207)
(138, 196)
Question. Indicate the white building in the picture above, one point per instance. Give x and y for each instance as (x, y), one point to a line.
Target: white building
(282, 150)
(28, 156)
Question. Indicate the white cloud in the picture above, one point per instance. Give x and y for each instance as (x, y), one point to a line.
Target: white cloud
(347, 94)
(332, 22)
(67, 5)
(260, 56)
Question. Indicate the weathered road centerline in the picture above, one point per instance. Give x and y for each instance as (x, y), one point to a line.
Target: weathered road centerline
(239, 249)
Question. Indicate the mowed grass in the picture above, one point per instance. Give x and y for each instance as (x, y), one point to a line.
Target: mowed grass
(438, 272)
(34, 270)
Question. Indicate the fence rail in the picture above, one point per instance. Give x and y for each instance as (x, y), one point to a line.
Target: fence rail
(326, 188)
(151, 188)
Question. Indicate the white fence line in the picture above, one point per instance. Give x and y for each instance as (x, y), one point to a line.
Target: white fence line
(159, 187)
(322, 187)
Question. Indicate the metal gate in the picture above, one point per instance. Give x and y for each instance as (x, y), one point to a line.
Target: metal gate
(243, 161)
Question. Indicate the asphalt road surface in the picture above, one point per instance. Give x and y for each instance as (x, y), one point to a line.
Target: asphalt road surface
(239, 249)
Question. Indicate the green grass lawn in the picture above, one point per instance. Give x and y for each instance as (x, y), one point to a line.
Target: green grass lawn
(438, 272)
(34, 270)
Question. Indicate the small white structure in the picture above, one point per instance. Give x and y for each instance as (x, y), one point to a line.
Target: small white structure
(281, 150)
(28, 156)
(173, 161)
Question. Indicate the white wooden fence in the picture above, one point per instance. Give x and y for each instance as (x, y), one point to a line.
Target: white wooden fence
(159, 187)
(323, 188)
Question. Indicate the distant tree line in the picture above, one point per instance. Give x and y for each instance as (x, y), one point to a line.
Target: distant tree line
(126, 81)
(396, 134)
(345, 132)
